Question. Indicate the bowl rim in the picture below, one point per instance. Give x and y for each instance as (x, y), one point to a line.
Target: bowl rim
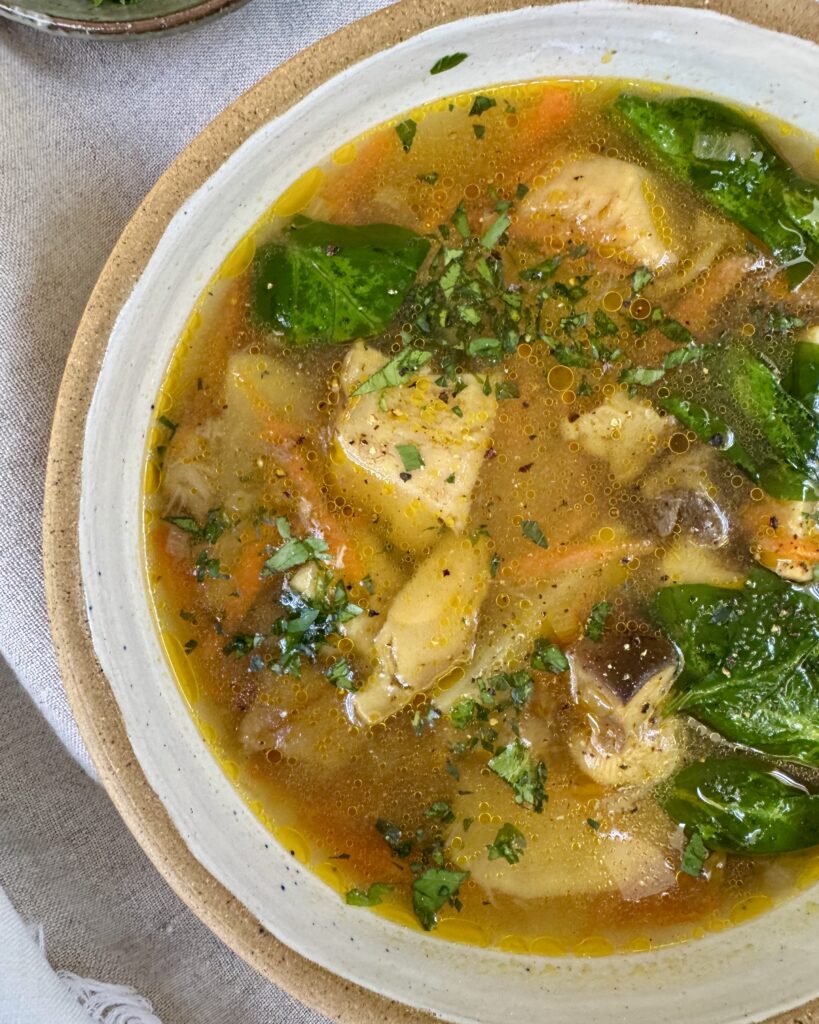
(90, 696)
(116, 29)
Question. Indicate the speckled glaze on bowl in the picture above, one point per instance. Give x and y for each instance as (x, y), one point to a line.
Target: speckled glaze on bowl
(111, 19)
(351, 964)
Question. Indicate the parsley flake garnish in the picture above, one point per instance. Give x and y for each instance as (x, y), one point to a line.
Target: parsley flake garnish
(406, 133)
(515, 766)
(597, 620)
(532, 531)
(432, 890)
(400, 370)
(481, 104)
(694, 856)
(295, 551)
(446, 63)
(548, 657)
(411, 458)
(509, 843)
(368, 897)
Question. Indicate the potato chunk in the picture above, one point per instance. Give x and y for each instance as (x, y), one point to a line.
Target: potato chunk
(623, 432)
(429, 628)
(452, 444)
(628, 853)
(606, 199)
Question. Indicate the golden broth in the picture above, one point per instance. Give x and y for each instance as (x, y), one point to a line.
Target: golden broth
(317, 776)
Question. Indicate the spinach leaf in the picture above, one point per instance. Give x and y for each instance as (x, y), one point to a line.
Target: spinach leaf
(803, 378)
(749, 417)
(736, 804)
(328, 283)
(751, 661)
(432, 890)
(726, 158)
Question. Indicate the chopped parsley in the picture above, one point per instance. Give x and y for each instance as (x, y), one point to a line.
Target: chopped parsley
(514, 764)
(494, 565)
(433, 890)
(481, 104)
(642, 375)
(241, 644)
(479, 130)
(340, 674)
(411, 458)
(208, 568)
(209, 532)
(681, 356)
(492, 689)
(506, 389)
(368, 897)
(530, 529)
(548, 657)
(694, 856)
(509, 843)
(596, 622)
(406, 133)
(572, 355)
(308, 622)
(393, 836)
(595, 825)
(430, 178)
(446, 63)
(440, 811)
(641, 278)
(400, 370)
(496, 230)
(295, 551)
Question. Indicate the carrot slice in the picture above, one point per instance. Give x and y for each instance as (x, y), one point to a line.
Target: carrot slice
(539, 563)
(694, 310)
(345, 192)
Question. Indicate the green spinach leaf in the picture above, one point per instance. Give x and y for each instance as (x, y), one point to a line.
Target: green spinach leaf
(728, 160)
(329, 283)
(738, 805)
(751, 661)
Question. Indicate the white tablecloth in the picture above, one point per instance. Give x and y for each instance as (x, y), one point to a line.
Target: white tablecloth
(85, 130)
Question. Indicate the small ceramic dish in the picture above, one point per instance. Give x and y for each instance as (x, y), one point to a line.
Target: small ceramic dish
(109, 19)
(249, 888)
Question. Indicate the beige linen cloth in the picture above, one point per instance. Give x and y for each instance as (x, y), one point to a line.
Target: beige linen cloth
(86, 128)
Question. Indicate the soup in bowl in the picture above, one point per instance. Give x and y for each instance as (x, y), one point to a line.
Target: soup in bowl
(482, 519)
(420, 536)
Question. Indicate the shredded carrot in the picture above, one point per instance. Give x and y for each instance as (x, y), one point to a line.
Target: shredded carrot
(694, 310)
(539, 563)
(556, 106)
(345, 192)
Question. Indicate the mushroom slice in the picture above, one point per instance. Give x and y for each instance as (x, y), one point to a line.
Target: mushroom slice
(618, 684)
(680, 498)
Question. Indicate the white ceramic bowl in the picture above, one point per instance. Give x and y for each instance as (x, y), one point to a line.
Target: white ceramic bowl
(747, 973)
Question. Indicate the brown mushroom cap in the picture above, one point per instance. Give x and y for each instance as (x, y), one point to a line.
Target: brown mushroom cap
(622, 664)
